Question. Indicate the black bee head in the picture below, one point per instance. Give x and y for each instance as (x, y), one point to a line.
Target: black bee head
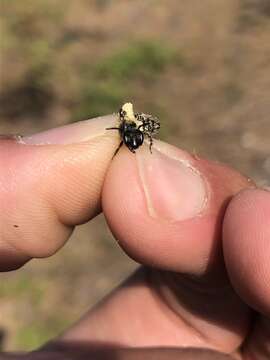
(133, 138)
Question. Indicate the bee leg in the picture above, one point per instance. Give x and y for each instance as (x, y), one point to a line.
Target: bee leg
(112, 128)
(150, 141)
(116, 151)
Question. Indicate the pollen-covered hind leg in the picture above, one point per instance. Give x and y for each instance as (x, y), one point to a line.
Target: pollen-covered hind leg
(150, 141)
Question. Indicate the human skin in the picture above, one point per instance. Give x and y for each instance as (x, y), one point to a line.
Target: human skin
(199, 229)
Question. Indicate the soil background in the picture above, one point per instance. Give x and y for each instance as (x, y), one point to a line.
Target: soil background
(202, 66)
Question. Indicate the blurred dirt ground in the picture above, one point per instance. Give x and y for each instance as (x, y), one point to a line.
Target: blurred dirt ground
(202, 66)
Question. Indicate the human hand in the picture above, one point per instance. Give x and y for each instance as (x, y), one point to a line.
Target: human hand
(167, 212)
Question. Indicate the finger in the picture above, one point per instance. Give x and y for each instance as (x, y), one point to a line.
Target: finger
(83, 352)
(247, 247)
(247, 254)
(107, 352)
(166, 208)
(142, 313)
(50, 182)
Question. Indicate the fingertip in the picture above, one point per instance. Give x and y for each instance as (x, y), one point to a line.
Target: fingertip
(49, 185)
(246, 234)
(166, 208)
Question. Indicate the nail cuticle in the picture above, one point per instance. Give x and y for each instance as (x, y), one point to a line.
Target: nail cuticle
(180, 202)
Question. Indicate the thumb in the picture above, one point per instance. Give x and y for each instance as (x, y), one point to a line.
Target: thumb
(50, 182)
(166, 208)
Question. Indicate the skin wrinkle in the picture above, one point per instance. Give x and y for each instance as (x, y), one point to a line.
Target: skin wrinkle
(10, 249)
(171, 295)
(170, 310)
(162, 294)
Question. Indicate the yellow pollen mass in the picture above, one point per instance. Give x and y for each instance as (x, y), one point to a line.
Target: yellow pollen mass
(128, 108)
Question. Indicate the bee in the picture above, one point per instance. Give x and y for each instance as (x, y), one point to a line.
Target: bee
(134, 127)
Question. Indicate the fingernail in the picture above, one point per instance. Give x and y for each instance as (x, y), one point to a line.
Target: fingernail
(174, 190)
(72, 133)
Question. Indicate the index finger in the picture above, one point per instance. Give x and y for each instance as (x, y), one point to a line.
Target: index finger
(49, 183)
